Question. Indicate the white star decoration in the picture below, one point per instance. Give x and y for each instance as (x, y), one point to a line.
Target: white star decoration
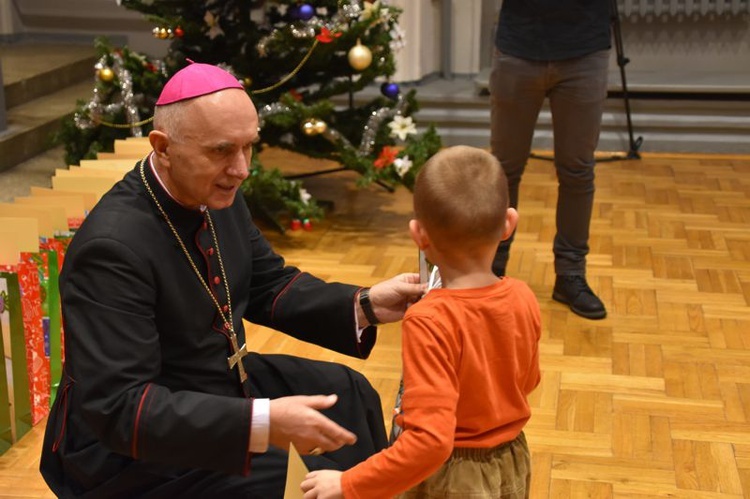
(212, 21)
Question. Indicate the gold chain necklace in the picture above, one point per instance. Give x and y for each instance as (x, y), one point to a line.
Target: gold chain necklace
(237, 351)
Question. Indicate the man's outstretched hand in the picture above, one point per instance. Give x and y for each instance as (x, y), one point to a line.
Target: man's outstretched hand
(297, 419)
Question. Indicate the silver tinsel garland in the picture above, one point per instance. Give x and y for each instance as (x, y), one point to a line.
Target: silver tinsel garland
(91, 115)
(375, 121)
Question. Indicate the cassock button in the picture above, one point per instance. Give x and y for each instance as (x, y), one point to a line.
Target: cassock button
(210, 251)
(217, 280)
(225, 308)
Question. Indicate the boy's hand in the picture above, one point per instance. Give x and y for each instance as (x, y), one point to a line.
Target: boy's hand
(322, 484)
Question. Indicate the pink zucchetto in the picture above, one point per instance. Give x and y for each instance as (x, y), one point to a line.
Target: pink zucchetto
(195, 80)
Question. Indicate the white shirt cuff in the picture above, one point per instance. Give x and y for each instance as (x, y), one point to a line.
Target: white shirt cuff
(259, 427)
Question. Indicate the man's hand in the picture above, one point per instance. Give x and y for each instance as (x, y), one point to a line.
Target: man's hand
(391, 298)
(297, 420)
(322, 484)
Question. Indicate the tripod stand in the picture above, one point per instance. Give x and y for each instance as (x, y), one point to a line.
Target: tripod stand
(622, 61)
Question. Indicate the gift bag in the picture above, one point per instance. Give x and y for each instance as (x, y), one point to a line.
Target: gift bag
(16, 382)
(37, 359)
(48, 270)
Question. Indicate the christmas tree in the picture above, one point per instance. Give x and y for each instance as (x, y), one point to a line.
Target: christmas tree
(293, 58)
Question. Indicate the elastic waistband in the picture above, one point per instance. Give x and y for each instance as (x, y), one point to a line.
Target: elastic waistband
(481, 453)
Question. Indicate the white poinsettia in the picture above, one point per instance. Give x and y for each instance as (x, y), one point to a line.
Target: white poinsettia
(402, 165)
(402, 126)
(214, 29)
(398, 38)
(305, 196)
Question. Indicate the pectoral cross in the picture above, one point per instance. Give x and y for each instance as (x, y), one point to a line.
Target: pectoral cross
(236, 357)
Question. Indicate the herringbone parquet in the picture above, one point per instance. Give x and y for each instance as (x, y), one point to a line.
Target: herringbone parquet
(653, 401)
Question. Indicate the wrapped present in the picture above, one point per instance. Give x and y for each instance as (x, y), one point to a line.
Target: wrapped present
(15, 369)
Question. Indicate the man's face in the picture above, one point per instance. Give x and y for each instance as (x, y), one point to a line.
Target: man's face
(210, 155)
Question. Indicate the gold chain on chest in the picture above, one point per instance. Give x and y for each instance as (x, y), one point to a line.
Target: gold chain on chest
(228, 323)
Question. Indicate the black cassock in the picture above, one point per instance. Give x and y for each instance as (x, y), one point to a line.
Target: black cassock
(148, 405)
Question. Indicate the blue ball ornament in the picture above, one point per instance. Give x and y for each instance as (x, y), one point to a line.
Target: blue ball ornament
(305, 12)
(390, 90)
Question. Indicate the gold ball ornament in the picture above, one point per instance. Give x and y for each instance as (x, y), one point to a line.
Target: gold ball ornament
(163, 33)
(247, 82)
(360, 57)
(308, 128)
(320, 126)
(106, 74)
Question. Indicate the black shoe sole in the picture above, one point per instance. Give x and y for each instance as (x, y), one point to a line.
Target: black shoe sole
(587, 315)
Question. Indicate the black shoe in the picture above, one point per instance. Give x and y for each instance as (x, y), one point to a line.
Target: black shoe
(574, 291)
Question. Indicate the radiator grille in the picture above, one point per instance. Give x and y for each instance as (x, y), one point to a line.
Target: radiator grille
(682, 9)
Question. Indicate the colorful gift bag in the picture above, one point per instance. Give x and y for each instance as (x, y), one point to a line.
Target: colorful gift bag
(36, 356)
(14, 356)
(47, 267)
(6, 432)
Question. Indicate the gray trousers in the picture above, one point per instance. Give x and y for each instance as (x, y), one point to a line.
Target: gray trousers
(577, 89)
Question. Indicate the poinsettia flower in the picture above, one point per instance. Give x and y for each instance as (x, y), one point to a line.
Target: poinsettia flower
(398, 38)
(212, 21)
(305, 196)
(387, 157)
(402, 126)
(326, 35)
(402, 165)
(295, 95)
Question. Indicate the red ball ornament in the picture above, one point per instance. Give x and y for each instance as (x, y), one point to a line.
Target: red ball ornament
(296, 224)
(179, 32)
(307, 224)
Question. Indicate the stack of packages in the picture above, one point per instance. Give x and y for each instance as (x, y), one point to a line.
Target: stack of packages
(35, 231)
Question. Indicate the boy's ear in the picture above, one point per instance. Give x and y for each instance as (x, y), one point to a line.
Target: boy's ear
(418, 234)
(511, 221)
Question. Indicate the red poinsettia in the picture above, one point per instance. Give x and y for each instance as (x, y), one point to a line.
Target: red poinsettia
(387, 157)
(326, 35)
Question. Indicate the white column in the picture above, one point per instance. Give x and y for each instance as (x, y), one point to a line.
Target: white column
(420, 21)
(10, 24)
(466, 35)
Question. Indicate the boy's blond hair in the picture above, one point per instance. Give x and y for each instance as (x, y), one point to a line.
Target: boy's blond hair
(461, 196)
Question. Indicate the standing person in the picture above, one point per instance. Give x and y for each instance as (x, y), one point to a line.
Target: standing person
(159, 396)
(470, 352)
(558, 49)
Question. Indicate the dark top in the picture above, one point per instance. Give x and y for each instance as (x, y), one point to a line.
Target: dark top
(552, 30)
(146, 377)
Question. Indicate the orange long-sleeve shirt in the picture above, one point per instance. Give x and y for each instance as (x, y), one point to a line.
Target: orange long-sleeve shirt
(470, 359)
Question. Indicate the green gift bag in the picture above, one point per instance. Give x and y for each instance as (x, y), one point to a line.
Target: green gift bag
(14, 385)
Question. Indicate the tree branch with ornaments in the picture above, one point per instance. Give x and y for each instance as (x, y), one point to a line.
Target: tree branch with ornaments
(305, 65)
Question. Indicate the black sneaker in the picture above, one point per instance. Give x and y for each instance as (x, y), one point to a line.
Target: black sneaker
(574, 291)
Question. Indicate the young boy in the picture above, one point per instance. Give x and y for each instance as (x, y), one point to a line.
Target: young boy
(470, 352)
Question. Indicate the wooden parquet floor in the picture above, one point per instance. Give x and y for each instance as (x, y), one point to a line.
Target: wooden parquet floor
(653, 401)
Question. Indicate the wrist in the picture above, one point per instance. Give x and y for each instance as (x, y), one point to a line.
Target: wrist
(365, 304)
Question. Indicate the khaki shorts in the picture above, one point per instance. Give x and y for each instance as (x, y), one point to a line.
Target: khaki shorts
(503, 472)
